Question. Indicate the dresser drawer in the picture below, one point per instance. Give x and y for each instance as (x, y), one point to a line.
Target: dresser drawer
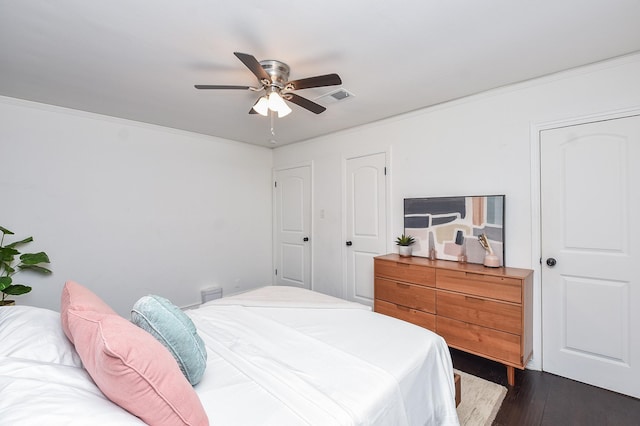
(483, 341)
(477, 284)
(409, 295)
(488, 313)
(413, 316)
(406, 272)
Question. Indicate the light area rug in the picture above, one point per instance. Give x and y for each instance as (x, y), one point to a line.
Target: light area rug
(480, 400)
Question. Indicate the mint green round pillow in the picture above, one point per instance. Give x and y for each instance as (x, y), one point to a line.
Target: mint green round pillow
(175, 330)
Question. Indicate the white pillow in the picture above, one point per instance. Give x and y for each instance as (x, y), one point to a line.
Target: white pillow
(35, 334)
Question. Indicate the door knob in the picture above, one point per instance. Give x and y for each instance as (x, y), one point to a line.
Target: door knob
(349, 243)
(305, 239)
(551, 262)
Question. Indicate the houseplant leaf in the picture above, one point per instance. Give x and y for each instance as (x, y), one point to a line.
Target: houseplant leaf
(15, 243)
(5, 282)
(17, 289)
(34, 258)
(405, 240)
(7, 254)
(5, 231)
(36, 268)
(8, 269)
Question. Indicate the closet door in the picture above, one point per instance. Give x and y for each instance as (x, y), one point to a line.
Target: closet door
(292, 236)
(366, 199)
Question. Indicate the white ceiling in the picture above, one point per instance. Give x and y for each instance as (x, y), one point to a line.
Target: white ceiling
(139, 59)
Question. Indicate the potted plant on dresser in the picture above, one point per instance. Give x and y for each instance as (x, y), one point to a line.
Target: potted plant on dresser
(13, 261)
(404, 243)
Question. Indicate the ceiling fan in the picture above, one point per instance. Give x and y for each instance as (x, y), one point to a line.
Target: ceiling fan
(273, 77)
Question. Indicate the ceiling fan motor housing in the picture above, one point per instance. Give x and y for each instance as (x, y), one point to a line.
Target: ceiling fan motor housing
(278, 71)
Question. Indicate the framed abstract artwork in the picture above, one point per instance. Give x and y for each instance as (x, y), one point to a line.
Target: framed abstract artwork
(448, 227)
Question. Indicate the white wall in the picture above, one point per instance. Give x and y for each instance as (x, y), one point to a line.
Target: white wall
(478, 145)
(129, 209)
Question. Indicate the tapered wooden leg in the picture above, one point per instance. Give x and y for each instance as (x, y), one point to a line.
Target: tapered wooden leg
(511, 375)
(456, 379)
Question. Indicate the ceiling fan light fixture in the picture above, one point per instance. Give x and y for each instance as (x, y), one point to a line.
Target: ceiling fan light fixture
(262, 106)
(284, 113)
(277, 104)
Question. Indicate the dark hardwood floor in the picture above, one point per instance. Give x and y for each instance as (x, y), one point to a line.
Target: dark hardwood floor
(540, 398)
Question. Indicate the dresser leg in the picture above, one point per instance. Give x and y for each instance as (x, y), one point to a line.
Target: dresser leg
(511, 375)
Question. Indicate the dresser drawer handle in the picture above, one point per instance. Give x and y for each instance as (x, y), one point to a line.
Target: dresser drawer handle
(403, 308)
(473, 299)
(474, 275)
(402, 265)
(405, 286)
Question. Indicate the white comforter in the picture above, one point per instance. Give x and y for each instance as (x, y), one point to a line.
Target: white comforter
(276, 356)
(325, 361)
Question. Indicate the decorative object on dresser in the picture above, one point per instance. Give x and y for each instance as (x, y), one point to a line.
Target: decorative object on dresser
(480, 310)
(12, 262)
(404, 243)
(490, 259)
(448, 228)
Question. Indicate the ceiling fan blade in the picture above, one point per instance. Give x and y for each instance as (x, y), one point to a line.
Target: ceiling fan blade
(218, 86)
(304, 103)
(318, 81)
(252, 63)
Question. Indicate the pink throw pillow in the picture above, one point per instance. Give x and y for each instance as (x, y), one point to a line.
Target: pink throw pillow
(133, 369)
(79, 298)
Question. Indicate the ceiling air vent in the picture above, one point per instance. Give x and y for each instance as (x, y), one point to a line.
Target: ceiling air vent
(337, 95)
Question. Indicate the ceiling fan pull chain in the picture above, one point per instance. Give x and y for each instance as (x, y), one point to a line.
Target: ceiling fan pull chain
(272, 139)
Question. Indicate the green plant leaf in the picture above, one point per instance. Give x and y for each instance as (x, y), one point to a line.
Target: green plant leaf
(34, 258)
(5, 282)
(5, 231)
(7, 267)
(36, 268)
(405, 240)
(17, 290)
(8, 253)
(15, 243)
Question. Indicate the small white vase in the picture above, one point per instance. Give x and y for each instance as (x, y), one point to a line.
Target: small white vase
(405, 251)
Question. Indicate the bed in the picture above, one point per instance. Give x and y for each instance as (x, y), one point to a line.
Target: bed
(274, 356)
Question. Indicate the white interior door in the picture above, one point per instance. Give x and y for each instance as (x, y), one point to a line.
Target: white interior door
(590, 195)
(366, 222)
(293, 227)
